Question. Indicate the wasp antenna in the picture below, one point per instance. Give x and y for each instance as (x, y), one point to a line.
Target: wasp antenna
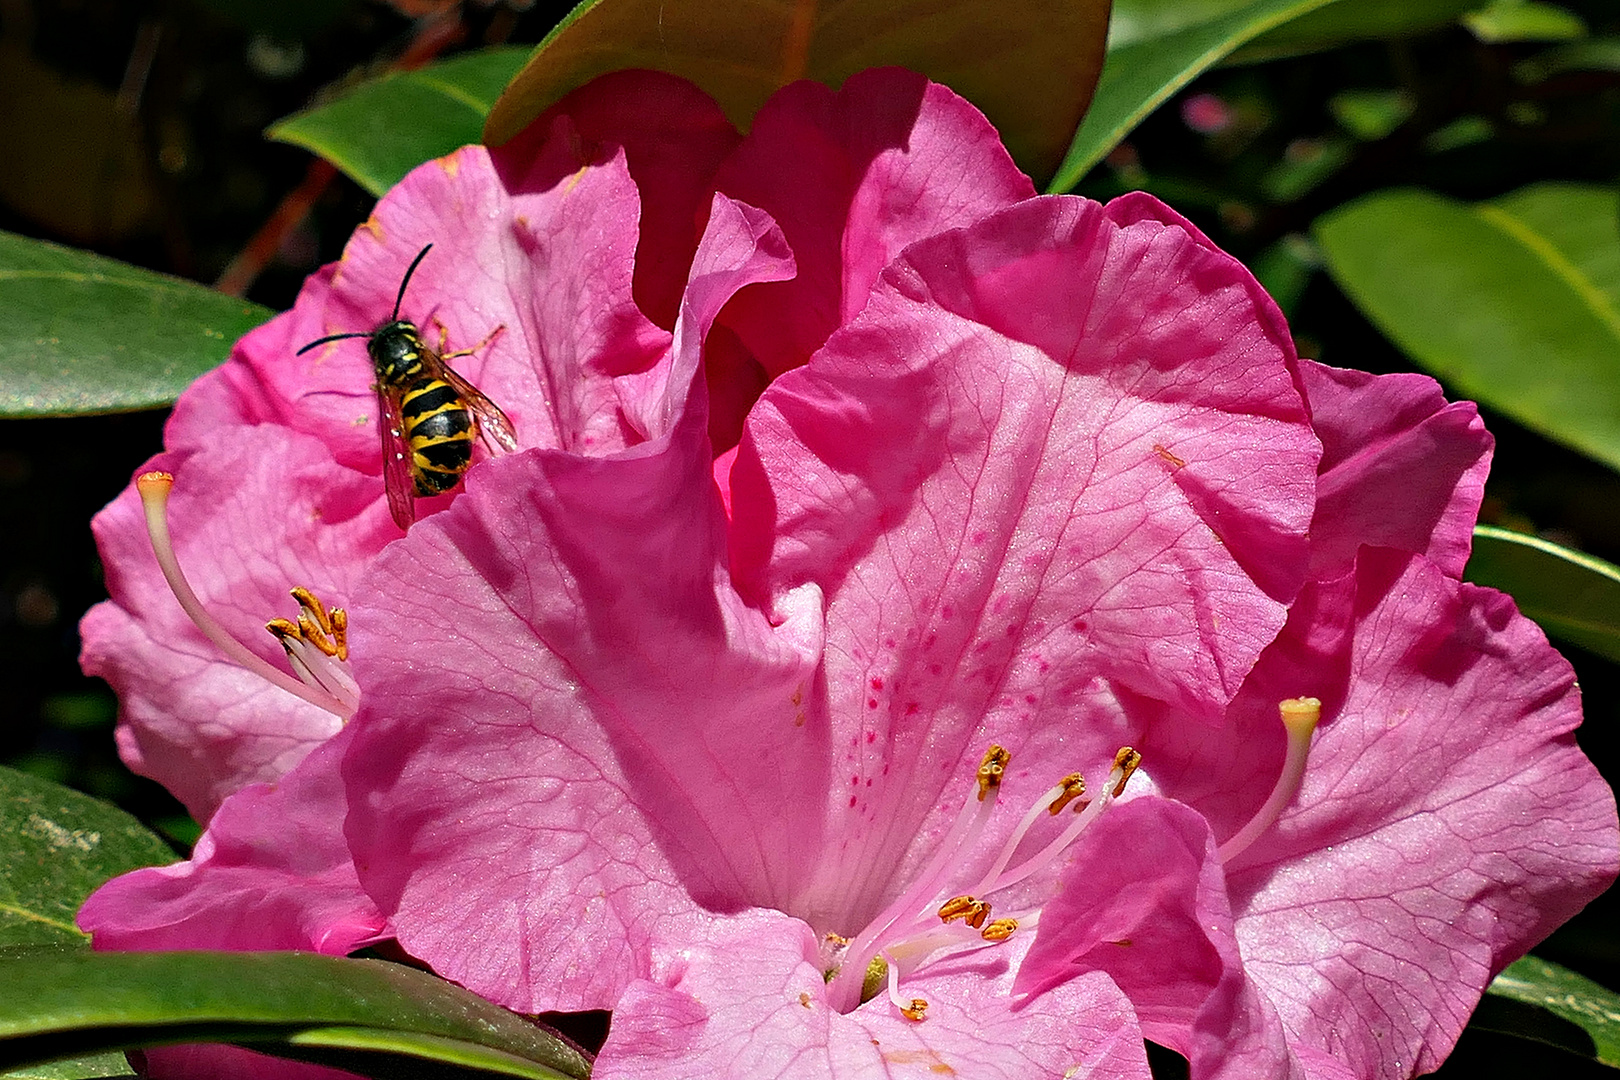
(330, 337)
(400, 299)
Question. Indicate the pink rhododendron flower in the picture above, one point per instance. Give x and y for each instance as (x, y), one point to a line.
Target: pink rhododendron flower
(862, 500)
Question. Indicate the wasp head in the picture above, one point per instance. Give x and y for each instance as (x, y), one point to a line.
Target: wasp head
(396, 352)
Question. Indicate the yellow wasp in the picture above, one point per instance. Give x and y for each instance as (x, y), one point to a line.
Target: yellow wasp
(428, 415)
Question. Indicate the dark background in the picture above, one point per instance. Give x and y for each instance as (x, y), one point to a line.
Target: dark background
(184, 90)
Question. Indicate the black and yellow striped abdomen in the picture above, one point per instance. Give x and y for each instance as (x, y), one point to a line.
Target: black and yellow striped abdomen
(439, 430)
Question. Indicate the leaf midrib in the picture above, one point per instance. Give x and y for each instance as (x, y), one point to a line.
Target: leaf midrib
(1555, 261)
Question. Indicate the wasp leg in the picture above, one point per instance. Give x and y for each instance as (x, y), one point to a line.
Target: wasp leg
(444, 341)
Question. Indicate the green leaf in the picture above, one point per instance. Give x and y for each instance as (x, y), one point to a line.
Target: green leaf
(1370, 115)
(1575, 597)
(1515, 302)
(1594, 1008)
(378, 1017)
(1590, 54)
(1516, 20)
(56, 847)
(1156, 47)
(1363, 20)
(385, 127)
(112, 1063)
(86, 334)
(1306, 164)
(1463, 131)
(1030, 65)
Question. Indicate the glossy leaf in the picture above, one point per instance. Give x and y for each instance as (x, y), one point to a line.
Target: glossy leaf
(1575, 597)
(1564, 993)
(371, 1015)
(385, 127)
(1156, 47)
(1514, 302)
(85, 334)
(93, 1067)
(1030, 65)
(56, 847)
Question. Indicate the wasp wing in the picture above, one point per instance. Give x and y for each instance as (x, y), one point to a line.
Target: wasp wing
(493, 425)
(398, 479)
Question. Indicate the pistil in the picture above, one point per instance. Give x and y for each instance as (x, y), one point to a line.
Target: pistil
(154, 488)
(1300, 717)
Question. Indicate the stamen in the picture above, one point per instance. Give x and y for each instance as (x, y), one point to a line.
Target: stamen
(1300, 717)
(154, 490)
(912, 1010)
(991, 769)
(1071, 788)
(1125, 763)
(905, 936)
(970, 822)
(971, 911)
(327, 631)
(1062, 794)
(317, 646)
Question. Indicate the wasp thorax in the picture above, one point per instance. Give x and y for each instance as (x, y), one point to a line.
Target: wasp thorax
(396, 352)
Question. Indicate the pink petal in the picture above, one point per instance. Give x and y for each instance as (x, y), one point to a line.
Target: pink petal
(674, 138)
(271, 872)
(1401, 468)
(535, 694)
(747, 1002)
(254, 512)
(1138, 206)
(214, 1061)
(853, 177)
(543, 260)
(547, 237)
(1447, 821)
(1054, 461)
(252, 518)
(1144, 900)
(551, 266)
